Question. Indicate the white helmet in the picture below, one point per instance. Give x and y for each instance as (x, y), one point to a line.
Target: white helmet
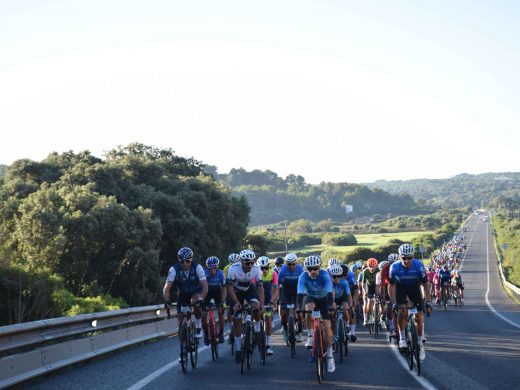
(406, 250)
(359, 264)
(247, 254)
(312, 261)
(263, 261)
(291, 258)
(332, 261)
(382, 264)
(234, 257)
(336, 270)
(393, 257)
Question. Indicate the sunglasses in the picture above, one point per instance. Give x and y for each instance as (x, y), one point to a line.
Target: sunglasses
(336, 276)
(406, 257)
(186, 261)
(313, 269)
(248, 263)
(291, 264)
(264, 268)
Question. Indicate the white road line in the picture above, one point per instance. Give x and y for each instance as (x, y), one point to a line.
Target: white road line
(156, 374)
(487, 292)
(422, 381)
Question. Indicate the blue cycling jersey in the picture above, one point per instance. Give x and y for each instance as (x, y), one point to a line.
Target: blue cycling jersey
(408, 276)
(341, 288)
(444, 276)
(288, 277)
(351, 279)
(315, 288)
(216, 281)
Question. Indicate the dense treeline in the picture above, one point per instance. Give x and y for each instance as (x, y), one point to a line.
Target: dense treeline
(477, 191)
(75, 226)
(273, 198)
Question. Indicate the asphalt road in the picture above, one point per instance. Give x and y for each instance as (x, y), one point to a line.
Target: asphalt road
(467, 348)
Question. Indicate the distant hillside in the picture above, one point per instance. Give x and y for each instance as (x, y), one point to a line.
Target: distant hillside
(461, 190)
(273, 198)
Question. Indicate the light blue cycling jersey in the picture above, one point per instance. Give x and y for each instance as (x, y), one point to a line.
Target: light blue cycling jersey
(315, 288)
(351, 279)
(408, 276)
(341, 288)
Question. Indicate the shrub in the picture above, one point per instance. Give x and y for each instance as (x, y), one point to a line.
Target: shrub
(343, 239)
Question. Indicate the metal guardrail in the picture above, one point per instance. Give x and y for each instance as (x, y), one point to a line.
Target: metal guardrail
(507, 285)
(35, 348)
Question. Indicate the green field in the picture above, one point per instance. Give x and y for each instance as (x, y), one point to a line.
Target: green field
(364, 240)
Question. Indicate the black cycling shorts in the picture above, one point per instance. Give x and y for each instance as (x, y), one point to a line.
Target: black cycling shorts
(413, 292)
(287, 298)
(184, 299)
(319, 304)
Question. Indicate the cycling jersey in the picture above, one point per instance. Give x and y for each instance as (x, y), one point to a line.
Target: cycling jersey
(216, 281)
(444, 275)
(288, 278)
(242, 280)
(341, 289)
(270, 280)
(385, 275)
(188, 282)
(226, 270)
(352, 281)
(315, 288)
(407, 276)
(369, 278)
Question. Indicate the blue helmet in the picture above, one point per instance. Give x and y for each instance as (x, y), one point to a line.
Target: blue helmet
(212, 262)
(185, 253)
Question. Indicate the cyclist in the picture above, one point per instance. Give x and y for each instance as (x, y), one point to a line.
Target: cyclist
(190, 279)
(445, 281)
(217, 292)
(315, 293)
(383, 292)
(233, 258)
(270, 281)
(244, 283)
(278, 264)
(350, 277)
(342, 293)
(369, 286)
(332, 261)
(457, 284)
(288, 281)
(406, 278)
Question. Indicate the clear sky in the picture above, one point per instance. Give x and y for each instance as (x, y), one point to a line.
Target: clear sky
(333, 90)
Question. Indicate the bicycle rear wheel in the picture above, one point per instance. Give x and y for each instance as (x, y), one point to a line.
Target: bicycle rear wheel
(194, 349)
(261, 342)
(183, 336)
(213, 339)
(340, 338)
(376, 320)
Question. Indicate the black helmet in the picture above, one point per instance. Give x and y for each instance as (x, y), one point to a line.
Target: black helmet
(279, 261)
(345, 269)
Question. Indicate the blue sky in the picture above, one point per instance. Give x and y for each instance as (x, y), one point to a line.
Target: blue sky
(332, 90)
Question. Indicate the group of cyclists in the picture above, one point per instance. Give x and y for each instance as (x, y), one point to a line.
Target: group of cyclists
(398, 283)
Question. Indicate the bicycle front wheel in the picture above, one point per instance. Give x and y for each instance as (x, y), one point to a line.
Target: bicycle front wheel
(194, 349)
(376, 320)
(416, 349)
(213, 340)
(340, 338)
(261, 342)
(292, 335)
(183, 336)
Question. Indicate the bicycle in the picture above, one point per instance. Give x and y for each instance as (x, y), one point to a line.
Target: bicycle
(412, 341)
(318, 350)
(376, 326)
(341, 336)
(188, 343)
(212, 327)
(443, 302)
(248, 339)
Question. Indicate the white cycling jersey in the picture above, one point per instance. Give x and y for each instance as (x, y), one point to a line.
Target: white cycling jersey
(243, 280)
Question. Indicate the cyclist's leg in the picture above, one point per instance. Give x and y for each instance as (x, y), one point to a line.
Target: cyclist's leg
(309, 305)
(400, 292)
